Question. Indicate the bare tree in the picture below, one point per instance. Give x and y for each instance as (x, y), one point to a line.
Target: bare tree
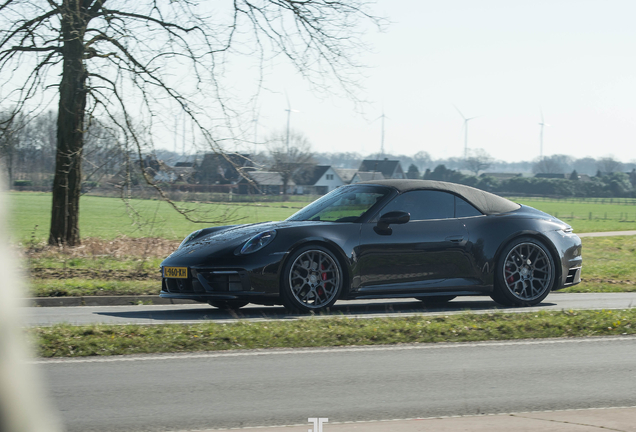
(422, 160)
(478, 160)
(142, 63)
(608, 165)
(555, 164)
(289, 157)
(9, 142)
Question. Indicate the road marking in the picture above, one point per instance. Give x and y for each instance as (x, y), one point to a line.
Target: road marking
(311, 351)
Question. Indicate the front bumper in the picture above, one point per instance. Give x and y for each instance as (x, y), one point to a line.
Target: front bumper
(222, 277)
(205, 285)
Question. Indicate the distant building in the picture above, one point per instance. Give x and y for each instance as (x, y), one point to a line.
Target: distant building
(346, 174)
(551, 176)
(361, 176)
(323, 180)
(184, 171)
(222, 168)
(264, 182)
(390, 169)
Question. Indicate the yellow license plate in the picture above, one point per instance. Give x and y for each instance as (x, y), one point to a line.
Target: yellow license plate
(175, 272)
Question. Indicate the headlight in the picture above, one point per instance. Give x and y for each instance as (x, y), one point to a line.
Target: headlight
(258, 242)
(189, 237)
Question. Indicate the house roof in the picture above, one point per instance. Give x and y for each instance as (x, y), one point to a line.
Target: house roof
(366, 176)
(184, 165)
(346, 174)
(234, 159)
(317, 172)
(386, 167)
(550, 175)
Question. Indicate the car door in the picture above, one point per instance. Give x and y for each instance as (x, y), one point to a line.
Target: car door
(428, 252)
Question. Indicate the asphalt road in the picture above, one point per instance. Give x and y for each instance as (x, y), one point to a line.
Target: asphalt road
(370, 308)
(278, 387)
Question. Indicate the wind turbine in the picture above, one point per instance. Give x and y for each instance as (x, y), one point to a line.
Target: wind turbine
(382, 136)
(466, 120)
(255, 121)
(542, 124)
(289, 111)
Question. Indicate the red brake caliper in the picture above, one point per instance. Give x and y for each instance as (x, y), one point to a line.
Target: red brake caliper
(510, 278)
(323, 276)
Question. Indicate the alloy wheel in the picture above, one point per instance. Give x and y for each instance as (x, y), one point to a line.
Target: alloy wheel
(314, 279)
(527, 271)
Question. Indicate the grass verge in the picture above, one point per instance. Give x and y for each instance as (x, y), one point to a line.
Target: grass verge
(104, 340)
(89, 287)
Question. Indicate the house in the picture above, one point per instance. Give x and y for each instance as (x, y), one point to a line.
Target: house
(184, 171)
(222, 168)
(550, 176)
(264, 182)
(346, 174)
(366, 176)
(390, 169)
(322, 179)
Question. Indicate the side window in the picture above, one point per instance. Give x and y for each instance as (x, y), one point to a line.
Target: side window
(424, 205)
(464, 209)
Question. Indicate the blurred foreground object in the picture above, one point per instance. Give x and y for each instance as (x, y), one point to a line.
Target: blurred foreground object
(23, 407)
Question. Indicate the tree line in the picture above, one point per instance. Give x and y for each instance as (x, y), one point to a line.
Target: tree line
(609, 184)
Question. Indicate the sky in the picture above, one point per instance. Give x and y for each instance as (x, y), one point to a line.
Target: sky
(502, 62)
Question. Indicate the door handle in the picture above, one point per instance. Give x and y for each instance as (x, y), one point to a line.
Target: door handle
(455, 239)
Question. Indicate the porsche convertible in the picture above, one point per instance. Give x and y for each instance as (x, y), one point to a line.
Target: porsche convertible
(419, 239)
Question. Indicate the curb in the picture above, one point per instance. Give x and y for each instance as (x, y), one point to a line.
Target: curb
(104, 301)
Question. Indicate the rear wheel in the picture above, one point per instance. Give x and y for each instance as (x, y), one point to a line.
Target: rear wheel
(440, 299)
(525, 273)
(312, 280)
(228, 304)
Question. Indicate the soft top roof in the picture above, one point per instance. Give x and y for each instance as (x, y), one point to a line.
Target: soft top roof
(485, 202)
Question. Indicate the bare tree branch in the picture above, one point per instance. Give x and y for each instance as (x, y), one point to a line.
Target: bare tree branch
(126, 62)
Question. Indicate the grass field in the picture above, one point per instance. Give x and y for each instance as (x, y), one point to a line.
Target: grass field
(109, 218)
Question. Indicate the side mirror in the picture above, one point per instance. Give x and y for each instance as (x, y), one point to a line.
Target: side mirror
(391, 218)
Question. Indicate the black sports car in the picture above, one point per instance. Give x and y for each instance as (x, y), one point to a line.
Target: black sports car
(381, 239)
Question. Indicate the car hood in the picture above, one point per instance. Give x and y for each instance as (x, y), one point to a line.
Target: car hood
(234, 236)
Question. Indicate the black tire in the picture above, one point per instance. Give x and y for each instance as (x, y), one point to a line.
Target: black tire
(438, 299)
(311, 280)
(228, 304)
(525, 273)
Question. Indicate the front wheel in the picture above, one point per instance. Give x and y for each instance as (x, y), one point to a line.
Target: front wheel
(525, 273)
(312, 280)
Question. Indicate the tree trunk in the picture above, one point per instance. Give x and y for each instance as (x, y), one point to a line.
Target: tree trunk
(70, 128)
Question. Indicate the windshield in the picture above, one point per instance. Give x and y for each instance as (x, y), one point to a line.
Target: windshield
(345, 204)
